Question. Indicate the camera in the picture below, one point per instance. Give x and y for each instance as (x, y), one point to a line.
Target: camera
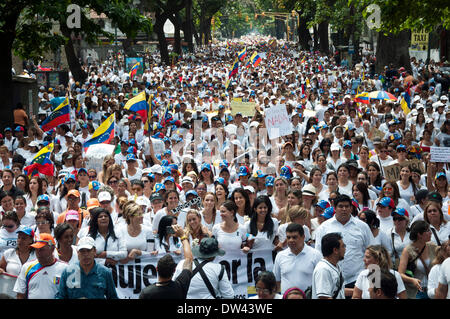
(170, 230)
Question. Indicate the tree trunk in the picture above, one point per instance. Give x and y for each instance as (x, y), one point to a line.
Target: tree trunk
(127, 46)
(304, 38)
(188, 26)
(316, 39)
(177, 35)
(77, 71)
(393, 49)
(159, 30)
(324, 46)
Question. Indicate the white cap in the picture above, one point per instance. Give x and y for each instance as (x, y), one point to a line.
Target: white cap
(33, 143)
(416, 98)
(249, 188)
(156, 169)
(142, 201)
(335, 147)
(86, 242)
(444, 98)
(104, 196)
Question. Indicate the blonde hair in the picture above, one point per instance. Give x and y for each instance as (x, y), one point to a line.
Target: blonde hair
(381, 255)
(295, 212)
(131, 209)
(110, 170)
(105, 167)
(441, 254)
(189, 231)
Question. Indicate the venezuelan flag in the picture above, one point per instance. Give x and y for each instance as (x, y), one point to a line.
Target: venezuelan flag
(103, 134)
(362, 98)
(255, 59)
(242, 54)
(234, 68)
(56, 101)
(405, 103)
(139, 105)
(59, 116)
(41, 163)
(134, 69)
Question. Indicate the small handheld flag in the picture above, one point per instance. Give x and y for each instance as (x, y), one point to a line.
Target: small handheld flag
(41, 163)
(103, 134)
(59, 115)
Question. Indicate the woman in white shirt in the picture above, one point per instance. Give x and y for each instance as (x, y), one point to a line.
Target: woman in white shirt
(378, 237)
(440, 228)
(65, 251)
(262, 227)
(344, 183)
(165, 242)
(442, 253)
(406, 185)
(376, 255)
(399, 235)
(13, 258)
(210, 216)
(229, 233)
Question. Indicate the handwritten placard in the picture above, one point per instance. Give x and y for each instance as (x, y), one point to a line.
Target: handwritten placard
(277, 121)
(392, 172)
(246, 108)
(440, 154)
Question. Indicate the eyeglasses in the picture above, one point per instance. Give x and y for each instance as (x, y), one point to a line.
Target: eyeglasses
(112, 182)
(42, 223)
(8, 226)
(92, 176)
(70, 182)
(397, 219)
(145, 181)
(263, 290)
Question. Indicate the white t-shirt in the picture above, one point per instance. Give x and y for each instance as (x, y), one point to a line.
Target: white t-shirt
(296, 270)
(261, 239)
(230, 241)
(7, 240)
(362, 283)
(140, 242)
(181, 219)
(325, 280)
(13, 263)
(217, 220)
(433, 280)
(44, 284)
(444, 276)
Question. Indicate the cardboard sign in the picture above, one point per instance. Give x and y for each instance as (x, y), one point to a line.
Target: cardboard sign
(374, 132)
(246, 108)
(440, 154)
(277, 121)
(392, 172)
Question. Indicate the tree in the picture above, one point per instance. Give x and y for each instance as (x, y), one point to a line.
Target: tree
(27, 28)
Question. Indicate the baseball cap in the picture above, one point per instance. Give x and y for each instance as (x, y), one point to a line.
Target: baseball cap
(26, 230)
(86, 242)
(260, 174)
(440, 174)
(130, 157)
(191, 192)
(347, 143)
(335, 147)
(401, 212)
(269, 180)
(205, 166)
(286, 172)
(169, 179)
(400, 147)
(92, 203)
(435, 197)
(243, 171)
(323, 204)
(43, 197)
(328, 213)
(104, 196)
(42, 240)
(82, 169)
(156, 196)
(386, 202)
(249, 188)
(156, 169)
(19, 129)
(72, 215)
(73, 192)
(159, 187)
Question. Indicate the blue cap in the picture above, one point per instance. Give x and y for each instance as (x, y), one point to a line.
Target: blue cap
(286, 172)
(167, 152)
(323, 204)
(347, 143)
(440, 174)
(159, 187)
(132, 142)
(223, 163)
(169, 179)
(8, 129)
(260, 174)
(328, 213)
(401, 212)
(167, 170)
(191, 192)
(131, 157)
(270, 180)
(26, 230)
(43, 197)
(19, 129)
(386, 202)
(173, 167)
(400, 146)
(130, 150)
(82, 169)
(220, 180)
(243, 171)
(165, 163)
(205, 166)
(151, 176)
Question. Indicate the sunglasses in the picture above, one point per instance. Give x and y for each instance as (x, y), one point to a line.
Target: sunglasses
(92, 176)
(112, 182)
(396, 219)
(8, 226)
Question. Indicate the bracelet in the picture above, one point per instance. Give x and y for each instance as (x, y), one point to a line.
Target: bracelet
(183, 238)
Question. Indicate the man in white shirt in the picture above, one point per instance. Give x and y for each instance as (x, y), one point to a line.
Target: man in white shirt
(442, 290)
(328, 279)
(293, 267)
(39, 279)
(356, 236)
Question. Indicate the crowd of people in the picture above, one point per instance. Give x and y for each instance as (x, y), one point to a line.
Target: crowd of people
(320, 197)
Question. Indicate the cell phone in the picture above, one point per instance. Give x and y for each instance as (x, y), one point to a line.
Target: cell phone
(169, 230)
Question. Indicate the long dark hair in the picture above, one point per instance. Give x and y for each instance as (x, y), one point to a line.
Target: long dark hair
(268, 222)
(364, 191)
(93, 223)
(163, 223)
(248, 208)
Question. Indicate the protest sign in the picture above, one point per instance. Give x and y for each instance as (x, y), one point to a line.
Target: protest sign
(241, 268)
(277, 121)
(392, 172)
(440, 154)
(246, 108)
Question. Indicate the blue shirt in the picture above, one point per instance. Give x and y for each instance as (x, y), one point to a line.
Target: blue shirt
(97, 284)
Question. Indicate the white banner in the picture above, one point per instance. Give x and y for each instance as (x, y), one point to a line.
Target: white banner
(242, 270)
(277, 121)
(440, 154)
(7, 283)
